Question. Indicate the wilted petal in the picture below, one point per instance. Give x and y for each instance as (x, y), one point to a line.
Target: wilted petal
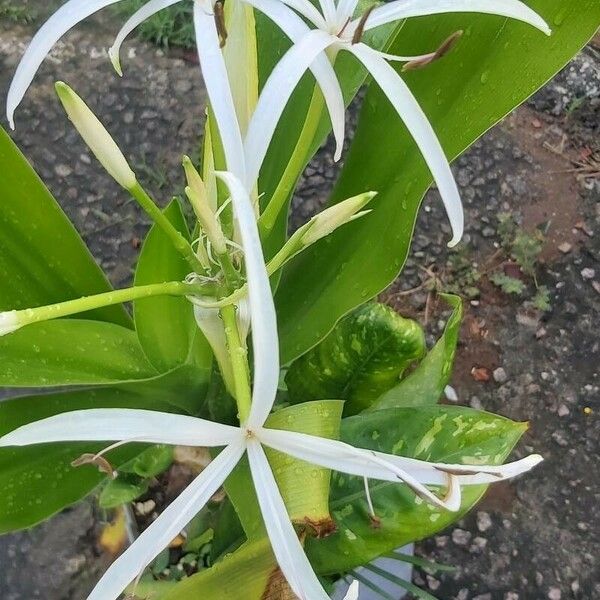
(275, 95)
(419, 127)
(263, 320)
(122, 425)
(66, 17)
(287, 548)
(404, 9)
(216, 80)
(173, 519)
(138, 17)
(321, 68)
(9, 322)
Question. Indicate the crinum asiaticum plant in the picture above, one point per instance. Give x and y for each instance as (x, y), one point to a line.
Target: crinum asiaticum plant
(310, 495)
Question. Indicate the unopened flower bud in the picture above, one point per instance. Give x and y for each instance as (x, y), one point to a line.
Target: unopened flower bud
(331, 218)
(96, 136)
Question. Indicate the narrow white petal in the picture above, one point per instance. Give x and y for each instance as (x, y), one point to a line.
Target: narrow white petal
(66, 17)
(321, 68)
(287, 548)
(329, 11)
(115, 424)
(345, 11)
(214, 72)
(9, 322)
(404, 9)
(387, 467)
(158, 536)
(419, 127)
(263, 319)
(308, 10)
(145, 12)
(275, 95)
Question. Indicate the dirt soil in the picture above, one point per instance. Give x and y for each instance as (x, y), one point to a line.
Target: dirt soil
(536, 538)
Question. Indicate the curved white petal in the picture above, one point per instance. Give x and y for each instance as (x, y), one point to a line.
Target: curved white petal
(158, 536)
(308, 10)
(419, 127)
(321, 68)
(145, 12)
(287, 548)
(116, 424)
(216, 80)
(404, 9)
(329, 11)
(345, 11)
(263, 319)
(66, 17)
(275, 95)
(417, 474)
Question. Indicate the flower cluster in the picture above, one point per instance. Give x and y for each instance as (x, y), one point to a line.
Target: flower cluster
(216, 284)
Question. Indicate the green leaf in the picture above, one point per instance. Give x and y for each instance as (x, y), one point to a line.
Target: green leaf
(42, 258)
(122, 490)
(438, 433)
(166, 326)
(426, 383)
(363, 356)
(508, 284)
(244, 573)
(150, 463)
(496, 66)
(38, 481)
(71, 352)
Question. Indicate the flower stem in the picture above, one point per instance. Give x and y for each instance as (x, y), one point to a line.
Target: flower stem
(295, 165)
(87, 303)
(178, 241)
(239, 362)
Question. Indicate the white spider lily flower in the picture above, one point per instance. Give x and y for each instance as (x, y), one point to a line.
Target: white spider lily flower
(344, 33)
(96, 136)
(127, 425)
(9, 322)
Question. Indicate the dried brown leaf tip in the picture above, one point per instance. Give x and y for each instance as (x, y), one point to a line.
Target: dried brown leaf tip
(360, 28)
(93, 459)
(426, 60)
(220, 23)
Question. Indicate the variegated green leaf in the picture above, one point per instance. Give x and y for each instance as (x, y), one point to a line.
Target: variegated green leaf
(427, 382)
(364, 356)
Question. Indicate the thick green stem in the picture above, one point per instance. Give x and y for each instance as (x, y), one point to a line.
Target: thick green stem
(239, 362)
(295, 165)
(154, 212)
(87, 303)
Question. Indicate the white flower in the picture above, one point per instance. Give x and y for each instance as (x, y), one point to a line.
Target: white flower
(336, 30)
(124, 425)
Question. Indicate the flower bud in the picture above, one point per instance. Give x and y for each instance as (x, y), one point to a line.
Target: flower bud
(9, 322)
(96, 136)
(331, 218)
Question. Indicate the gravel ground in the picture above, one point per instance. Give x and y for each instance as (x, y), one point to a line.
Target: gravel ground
(533, 539)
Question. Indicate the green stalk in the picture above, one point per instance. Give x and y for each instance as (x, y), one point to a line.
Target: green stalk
(178, 241)
(87, 303)
(239, 362)
(295, 165)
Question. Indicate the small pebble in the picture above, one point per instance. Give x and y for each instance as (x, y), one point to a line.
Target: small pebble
(433, 583)
(554, 593)
(500, 375)
(511, 596)
(588, 273)
(461, 537)
(484, 521)
(463, 594)
(563, 411)
(565, 247)
(483, 597)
